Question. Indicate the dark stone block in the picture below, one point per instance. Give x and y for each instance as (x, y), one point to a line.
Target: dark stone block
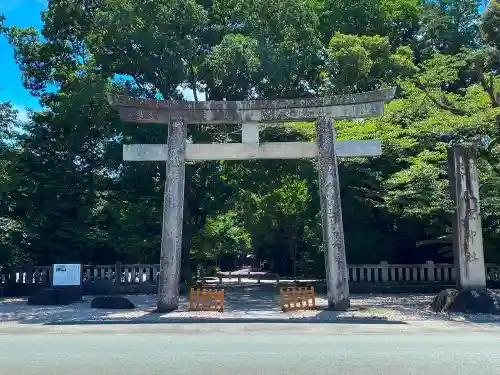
(54, 297)
(467, 301)
(112, 302)
(44, 297)
(67, 296)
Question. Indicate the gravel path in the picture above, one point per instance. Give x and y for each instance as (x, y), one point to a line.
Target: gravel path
(246, 303)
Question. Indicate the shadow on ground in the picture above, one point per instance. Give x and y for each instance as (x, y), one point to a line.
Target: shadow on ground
(18, 311)
(243, 304)
(419, 305)
(264, 298)
(159, 320)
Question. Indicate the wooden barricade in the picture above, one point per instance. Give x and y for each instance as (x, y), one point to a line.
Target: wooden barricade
(297, 298)
(206, 299)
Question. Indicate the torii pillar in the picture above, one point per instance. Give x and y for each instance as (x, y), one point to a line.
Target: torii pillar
(178, 114)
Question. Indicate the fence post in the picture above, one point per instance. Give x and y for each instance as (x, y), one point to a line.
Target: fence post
(29, 272)
(430, 270)
(118, 272)
(385, 271)
(13, 275)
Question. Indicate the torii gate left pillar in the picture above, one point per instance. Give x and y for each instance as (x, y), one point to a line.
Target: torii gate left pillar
(249, 113)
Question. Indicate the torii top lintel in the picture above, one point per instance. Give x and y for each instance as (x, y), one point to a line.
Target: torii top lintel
(365, 104)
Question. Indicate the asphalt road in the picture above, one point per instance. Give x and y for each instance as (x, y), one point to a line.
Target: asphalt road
(221, 349)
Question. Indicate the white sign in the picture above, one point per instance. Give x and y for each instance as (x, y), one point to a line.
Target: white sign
(66, 274)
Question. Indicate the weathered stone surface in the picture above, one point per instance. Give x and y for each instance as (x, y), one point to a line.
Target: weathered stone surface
(467, 229)
(331, 214)
(143, 115)
(250, 133)
(171, 239)
(469, 301)
(246, 151)
(112, 303)
(383, 95)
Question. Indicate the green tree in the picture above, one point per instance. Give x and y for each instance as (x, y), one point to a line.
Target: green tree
(363, 63)
(10, 229)
(447, 26)
(396, 19)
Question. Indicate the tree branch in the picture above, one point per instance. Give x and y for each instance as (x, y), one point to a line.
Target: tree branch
(193, 82)
(447, 107)
(369, 194)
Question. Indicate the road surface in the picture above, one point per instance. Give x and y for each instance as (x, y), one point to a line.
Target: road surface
(255, 349)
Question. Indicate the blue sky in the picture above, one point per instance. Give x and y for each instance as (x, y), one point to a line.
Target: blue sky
(20, 13)
(24, 13)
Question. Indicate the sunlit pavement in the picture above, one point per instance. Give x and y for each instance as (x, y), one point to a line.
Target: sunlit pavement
(247, 349)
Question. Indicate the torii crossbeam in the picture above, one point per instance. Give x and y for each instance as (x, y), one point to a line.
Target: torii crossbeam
(178, 114)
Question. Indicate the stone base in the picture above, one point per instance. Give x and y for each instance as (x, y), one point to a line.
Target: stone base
(342, 305)
(467, 301)
(157, 310)
(165, 308)
(112, 303)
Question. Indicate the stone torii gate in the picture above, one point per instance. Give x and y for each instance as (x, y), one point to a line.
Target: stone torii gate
(178, 114)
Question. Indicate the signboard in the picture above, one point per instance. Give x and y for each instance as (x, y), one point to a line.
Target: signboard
(66, 274)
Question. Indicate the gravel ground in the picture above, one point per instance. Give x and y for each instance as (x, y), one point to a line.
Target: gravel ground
(245, 303)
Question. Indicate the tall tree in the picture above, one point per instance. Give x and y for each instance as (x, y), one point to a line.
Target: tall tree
(69, 195)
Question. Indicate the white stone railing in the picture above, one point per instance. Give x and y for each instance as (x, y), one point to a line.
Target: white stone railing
(148, 273)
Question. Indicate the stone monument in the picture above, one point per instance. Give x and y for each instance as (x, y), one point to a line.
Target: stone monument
(470, 294)
(177, 115)
(467, 231)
